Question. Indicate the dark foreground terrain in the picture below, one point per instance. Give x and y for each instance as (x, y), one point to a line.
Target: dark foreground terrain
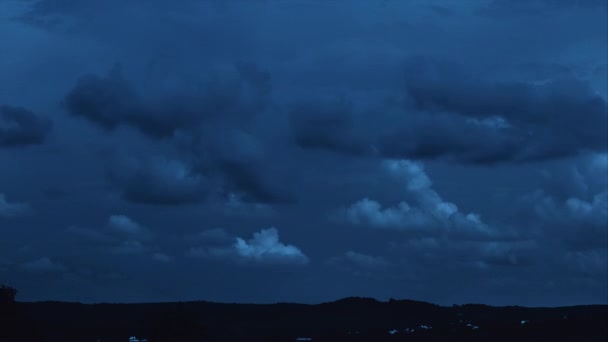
(351, 319)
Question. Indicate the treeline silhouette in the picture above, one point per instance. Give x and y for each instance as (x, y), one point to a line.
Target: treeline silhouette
(349, 319)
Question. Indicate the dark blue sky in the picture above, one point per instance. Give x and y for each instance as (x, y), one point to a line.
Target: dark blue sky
(304, 150)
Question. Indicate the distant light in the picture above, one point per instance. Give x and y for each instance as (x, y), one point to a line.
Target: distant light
(393, 332)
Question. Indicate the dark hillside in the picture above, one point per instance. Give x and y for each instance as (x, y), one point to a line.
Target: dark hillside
(349, 319)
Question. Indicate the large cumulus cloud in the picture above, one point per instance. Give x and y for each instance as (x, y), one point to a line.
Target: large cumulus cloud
(212, 118)
(430, 215)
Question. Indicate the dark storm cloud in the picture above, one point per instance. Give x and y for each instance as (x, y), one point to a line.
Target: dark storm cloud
(210, 124)
(541, 114)
(111, 101)
(328, 125)
(21, 127)
(242, 178)
(158, 180)
(453, 114)
(232, 93)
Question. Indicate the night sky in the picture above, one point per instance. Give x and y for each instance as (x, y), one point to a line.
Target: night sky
(304, 150)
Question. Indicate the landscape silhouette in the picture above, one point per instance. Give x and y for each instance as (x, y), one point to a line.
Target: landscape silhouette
(348, 319)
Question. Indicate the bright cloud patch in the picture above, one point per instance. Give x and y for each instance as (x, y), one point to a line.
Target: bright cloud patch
(266, 247)
(430, 214)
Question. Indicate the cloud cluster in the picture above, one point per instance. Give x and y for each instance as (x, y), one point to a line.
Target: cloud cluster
(211, 118)
(430, 216)
(573, 206)
(222, 124)
(453, 113)
(231, 93)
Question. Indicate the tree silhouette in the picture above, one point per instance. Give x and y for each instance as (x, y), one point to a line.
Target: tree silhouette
(8, 312)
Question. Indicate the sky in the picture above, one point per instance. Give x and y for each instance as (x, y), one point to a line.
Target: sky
(304, 151)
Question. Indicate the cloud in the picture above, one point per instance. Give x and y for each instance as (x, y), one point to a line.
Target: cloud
(572, 206)
(227, 95)
(161, 257)
(21, 127)
(328, 124)
(263, 248)
(110, 101)
(450, 112)
(158, 181)
(266, 247)
(589, 263)
(431, 215)
(124, 225)
(507, 253)
(301, 129)
(370, 212)
(121, 235)
(43, 265)
(10, 210)
(216, 116)
(539, 116)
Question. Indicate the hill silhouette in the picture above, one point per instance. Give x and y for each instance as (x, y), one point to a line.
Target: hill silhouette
(348, 319)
